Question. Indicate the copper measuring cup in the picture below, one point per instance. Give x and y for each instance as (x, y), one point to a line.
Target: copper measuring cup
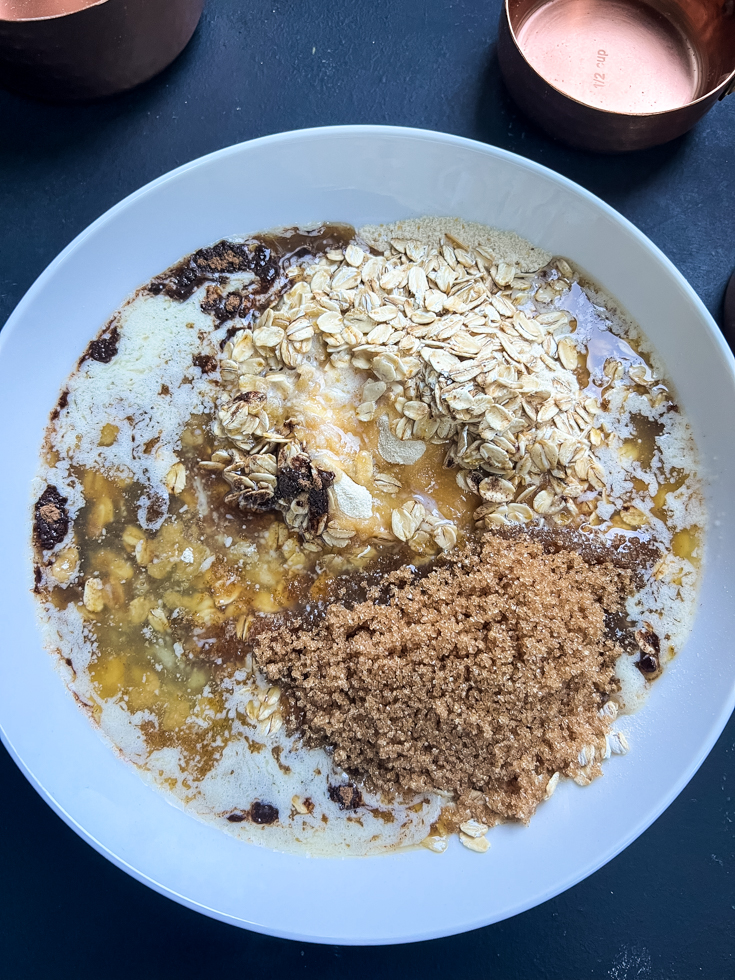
(70, 50)
(617, 75)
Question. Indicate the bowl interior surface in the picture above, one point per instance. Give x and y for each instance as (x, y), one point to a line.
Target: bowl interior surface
(357, 175)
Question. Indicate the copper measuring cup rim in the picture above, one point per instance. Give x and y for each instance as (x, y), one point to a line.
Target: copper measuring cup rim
(73, 7)
(727, 84)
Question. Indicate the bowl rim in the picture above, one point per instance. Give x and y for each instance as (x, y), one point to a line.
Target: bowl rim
(716, 723)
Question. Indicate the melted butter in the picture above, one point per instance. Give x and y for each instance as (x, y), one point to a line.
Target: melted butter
(591, 326)
(337, 439)
(687, 544)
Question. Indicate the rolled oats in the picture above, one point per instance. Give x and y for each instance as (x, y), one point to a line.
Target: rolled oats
(551, 786)
(387, 483)
(617, 743)
(94, 595)
(478, 844)
(473, 828)
(445, 536)
(406, 520)
(176, 478)
(158, 620)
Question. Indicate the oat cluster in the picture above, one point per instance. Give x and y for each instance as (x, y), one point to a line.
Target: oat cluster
(485, 679)
(460, 348)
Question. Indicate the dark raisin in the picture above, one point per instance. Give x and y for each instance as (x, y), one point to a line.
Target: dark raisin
(263, 812)
(224, 258)
(346, 796)
(326, 477)
(231, 305)
(51, 518)
(237, 817)
(212, 302)
(155, 510)
(650, 647)
(205, 362)
(105, 348)
(264, 265)
(648, 664)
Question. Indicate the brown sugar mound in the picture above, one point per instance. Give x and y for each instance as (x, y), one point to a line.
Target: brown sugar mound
(482, 679)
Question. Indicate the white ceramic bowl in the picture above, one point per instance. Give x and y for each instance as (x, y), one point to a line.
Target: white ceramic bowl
(356, 174)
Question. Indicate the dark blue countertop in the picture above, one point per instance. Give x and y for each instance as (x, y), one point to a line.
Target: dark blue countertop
(662, 910)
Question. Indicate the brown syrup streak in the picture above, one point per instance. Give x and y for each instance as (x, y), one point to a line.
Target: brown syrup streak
(267, 257)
